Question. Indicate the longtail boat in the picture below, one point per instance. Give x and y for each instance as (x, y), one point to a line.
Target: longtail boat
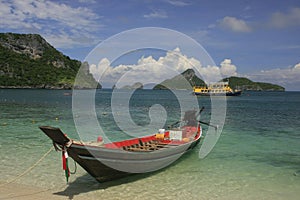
(106, 162)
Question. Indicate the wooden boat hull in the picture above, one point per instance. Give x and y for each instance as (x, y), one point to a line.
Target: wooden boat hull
(106, 164)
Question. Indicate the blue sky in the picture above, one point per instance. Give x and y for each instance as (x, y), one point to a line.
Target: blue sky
(261, 38)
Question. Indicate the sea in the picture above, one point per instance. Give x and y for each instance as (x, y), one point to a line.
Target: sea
(257, 155)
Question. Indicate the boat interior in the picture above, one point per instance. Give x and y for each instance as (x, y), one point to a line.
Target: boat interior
(157, 141)
(165, 139)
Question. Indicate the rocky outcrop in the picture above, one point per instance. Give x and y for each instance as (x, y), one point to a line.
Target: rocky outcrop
(185, 80)
(29, 61)
(32, 45)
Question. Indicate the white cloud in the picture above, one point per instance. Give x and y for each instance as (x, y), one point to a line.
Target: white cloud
(287, 77)
(288, 47)
(178, 3)
(247, 8)
(149, 70)
(297, 66)
(87, 1)
(227, 68)
(156, 14)
(234, 24)
(49, 18)
(62, 39)
(283, 20)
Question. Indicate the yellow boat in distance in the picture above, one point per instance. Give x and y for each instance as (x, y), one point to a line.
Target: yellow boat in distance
(216, 89)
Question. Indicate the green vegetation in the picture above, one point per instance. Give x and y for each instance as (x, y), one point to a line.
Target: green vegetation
(242, 83)
(28, 61)
(188, 79)
(185, 80)
(270, 87)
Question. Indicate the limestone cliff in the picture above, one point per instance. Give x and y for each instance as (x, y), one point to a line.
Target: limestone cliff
(29, 61)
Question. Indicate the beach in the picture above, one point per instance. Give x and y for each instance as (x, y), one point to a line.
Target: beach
(162, 186)
(17, 191)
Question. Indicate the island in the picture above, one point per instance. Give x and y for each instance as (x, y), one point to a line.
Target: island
(185, 80)
(29, 61)
(236, 83)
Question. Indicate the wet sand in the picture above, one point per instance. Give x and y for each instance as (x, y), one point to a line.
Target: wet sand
(17, 191)
(23, 192)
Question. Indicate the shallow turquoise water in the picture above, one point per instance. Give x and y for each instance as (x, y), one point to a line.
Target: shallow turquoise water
(256, 157)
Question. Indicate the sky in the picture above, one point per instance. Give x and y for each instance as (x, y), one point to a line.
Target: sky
(254, 39)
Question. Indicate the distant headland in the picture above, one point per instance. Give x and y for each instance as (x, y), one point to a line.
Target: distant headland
(239, 83)
(29, 61)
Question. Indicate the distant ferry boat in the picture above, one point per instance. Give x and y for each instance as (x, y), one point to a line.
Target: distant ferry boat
(216, 89)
